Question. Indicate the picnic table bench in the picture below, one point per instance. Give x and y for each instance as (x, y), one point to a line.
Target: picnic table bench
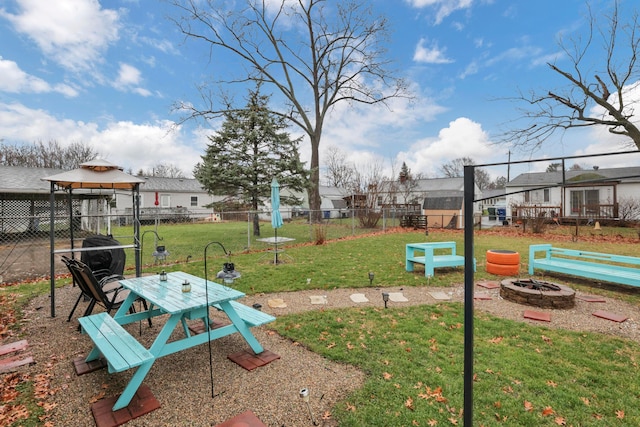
(592, 265)
(433, 256)
(121, 350)
(249, 315)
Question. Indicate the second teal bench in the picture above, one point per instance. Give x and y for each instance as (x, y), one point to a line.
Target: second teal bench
(592, 265)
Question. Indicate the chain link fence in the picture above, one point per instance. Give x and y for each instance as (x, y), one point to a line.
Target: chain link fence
(25, 225)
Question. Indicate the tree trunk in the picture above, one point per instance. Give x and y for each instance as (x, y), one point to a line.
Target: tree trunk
(256, 224)
(315, 215)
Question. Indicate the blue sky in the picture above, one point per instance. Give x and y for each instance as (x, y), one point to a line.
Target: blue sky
(106, 73)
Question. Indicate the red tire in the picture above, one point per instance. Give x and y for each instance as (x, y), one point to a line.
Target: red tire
(503, 257)
(503, 269)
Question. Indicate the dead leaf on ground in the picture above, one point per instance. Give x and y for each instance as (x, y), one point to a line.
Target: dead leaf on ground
(547, 411)
(560, 421)
(97, 397)
(409, 403)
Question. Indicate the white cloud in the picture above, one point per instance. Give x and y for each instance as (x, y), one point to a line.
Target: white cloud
(430, 55)
(73, 33)
(129, 78)
(128, 75)
(462, 138)
(443, 8)
(15, 80)
(130, 145)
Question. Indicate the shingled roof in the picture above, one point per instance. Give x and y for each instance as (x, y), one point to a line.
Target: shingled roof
(540, 179)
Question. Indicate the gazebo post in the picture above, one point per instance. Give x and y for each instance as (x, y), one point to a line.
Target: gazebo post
(71, 221)
(52, 199)
(136, 229)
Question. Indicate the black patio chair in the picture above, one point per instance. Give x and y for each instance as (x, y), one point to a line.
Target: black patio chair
(110, 300)
(108, 283)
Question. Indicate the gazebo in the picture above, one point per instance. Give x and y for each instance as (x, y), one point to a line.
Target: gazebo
(93, 175)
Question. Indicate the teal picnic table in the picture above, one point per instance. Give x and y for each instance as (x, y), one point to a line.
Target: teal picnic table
(122, 351)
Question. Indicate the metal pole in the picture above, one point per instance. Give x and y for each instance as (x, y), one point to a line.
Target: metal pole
(136, 229)
(52, 199)
(468, 294)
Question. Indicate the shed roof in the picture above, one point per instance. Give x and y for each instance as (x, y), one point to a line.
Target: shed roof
(443, 200)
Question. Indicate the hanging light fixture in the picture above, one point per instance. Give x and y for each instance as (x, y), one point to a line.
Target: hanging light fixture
(228, 273)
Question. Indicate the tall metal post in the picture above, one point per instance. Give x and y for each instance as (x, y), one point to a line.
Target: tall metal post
(136, 229)
(469, 196)
(52, 200)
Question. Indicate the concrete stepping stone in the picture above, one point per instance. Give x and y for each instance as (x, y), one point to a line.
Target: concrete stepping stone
(318, 299)
(439, 295)
(537, 315)
(358, 298)
(397, 297)
(488, 285)
(610, 316)
(277, 303)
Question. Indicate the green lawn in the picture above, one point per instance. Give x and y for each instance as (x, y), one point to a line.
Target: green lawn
(525, 375)
(413, 357)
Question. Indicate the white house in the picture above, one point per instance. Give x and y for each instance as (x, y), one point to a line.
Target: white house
(590, 194)
(168, 198)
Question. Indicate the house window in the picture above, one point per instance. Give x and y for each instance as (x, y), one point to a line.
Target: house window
(395, 200)
(527, 196)
(194, 200)
(165, 200)
(546, 195)
(379, 200)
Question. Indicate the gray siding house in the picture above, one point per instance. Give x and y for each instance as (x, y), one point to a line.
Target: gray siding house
(589, 194)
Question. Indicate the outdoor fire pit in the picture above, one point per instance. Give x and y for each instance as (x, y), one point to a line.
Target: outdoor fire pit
(538, 293)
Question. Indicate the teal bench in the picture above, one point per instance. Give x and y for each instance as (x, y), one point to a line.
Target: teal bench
(250, 315)
(620, 269)
(121, 350)
(433, 256)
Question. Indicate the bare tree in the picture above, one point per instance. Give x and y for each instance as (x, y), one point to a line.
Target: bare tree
(338, 172)
(605, 97)
(629, 208)
(315, 53)
(369, 183)
(455, 169)
(49, 155)
(407, 185)
(165, 170)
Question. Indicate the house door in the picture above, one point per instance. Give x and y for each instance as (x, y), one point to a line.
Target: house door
(585, 202)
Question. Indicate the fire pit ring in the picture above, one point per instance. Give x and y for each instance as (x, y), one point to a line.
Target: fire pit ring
(537, 293)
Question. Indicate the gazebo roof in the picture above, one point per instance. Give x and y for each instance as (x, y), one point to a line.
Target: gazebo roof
(98, 174)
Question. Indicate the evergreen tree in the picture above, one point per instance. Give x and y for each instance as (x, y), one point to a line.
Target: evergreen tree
(250, 149)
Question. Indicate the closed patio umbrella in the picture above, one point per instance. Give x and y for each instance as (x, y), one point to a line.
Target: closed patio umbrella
(276, 217)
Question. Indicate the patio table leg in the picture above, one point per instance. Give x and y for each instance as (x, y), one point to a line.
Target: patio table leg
(137, 378)
(242, 327)
(133, 385)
